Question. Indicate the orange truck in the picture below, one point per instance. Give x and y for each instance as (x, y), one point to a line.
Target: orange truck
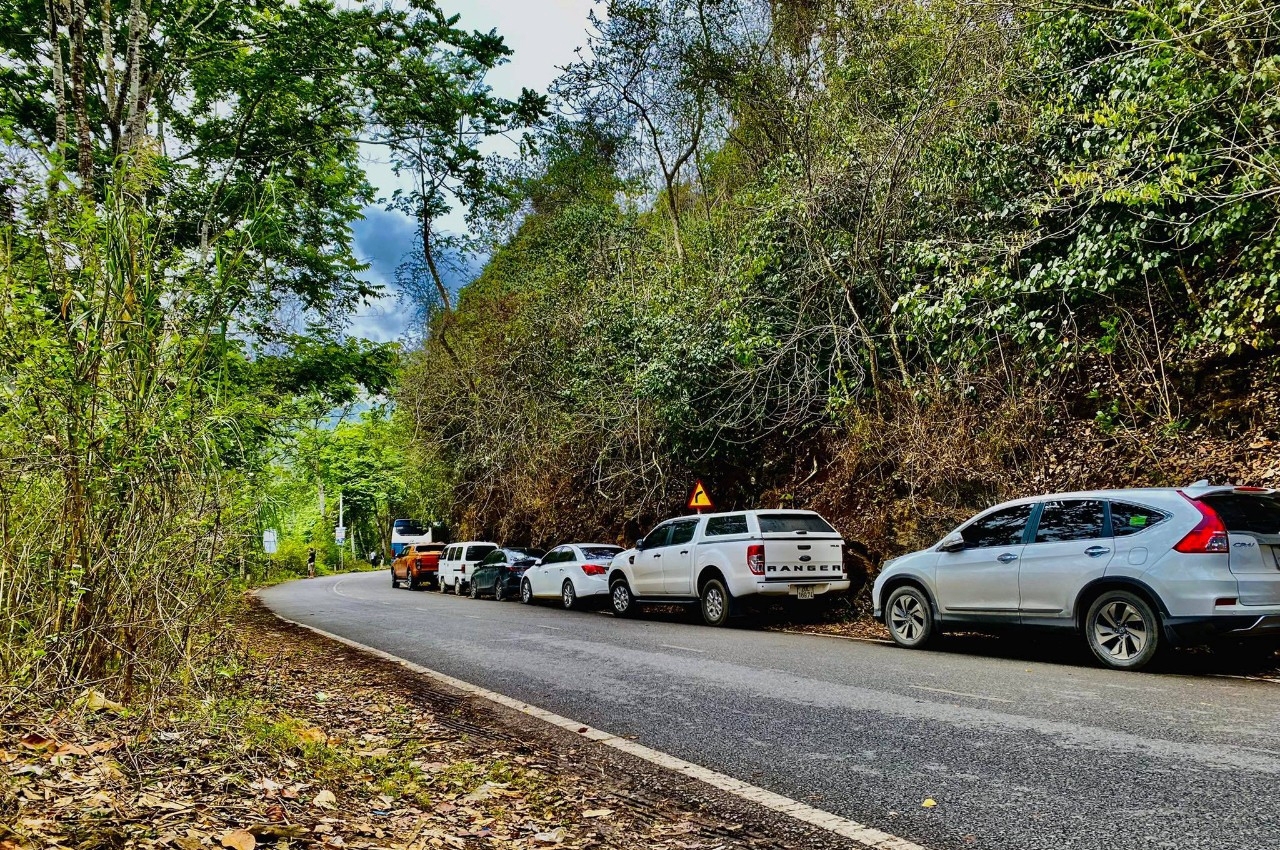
(419, 566)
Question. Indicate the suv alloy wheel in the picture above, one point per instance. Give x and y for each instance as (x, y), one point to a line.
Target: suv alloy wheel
(909, 617)
(624, 604)
(1122, 630)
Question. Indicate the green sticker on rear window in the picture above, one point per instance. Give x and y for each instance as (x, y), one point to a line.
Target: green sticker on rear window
(1137, 521)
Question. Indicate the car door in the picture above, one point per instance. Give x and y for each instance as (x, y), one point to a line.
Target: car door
(487, 571)
(1068, 549)
(981, 580)
(647, 569)
(542, 577)
(677, 559)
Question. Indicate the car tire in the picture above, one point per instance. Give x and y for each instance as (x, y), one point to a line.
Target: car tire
(395, 583)
(908, 615)
(497, 591)
(1122, 630)
(568, 596)
(621, 600)
(413, 582)
(715, 602)
(526, 592)
(474, 591)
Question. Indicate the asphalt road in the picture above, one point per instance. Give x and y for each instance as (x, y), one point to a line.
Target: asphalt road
(1017, 753)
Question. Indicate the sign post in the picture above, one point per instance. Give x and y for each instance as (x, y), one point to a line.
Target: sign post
(270, 543)
(700, 499)
(340, 533)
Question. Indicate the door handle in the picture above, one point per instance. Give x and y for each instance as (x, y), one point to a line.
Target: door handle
(684, 551)
(657, 555)
(1007, 557)
(1096, 551)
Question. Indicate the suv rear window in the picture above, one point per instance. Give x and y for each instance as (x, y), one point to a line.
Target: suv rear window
(781, 523)
(732, 524)
(1129, 519)
(1258, 514)
(475, 553)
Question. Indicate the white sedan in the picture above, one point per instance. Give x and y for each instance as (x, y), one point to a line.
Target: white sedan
(571, 573)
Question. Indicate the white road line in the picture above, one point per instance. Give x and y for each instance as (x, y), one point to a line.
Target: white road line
(553, 628)
(858, 833)
(685, 648)
(958, 693)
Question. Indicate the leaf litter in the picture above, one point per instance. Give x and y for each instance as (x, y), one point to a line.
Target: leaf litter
(313, 745)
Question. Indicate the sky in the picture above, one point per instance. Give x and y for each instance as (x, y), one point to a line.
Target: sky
(542, 35)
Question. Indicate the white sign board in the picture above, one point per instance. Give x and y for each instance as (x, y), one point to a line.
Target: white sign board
(269, 541)
(340, 534)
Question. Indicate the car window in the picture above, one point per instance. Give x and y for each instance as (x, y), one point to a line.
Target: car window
(1070, 519)
(600, 553)
(497, 556)
(1002, 528)
(1130, 519)
(682, 532)
(657, 537)
(475, 553)
(1240, 512)
(794, 522)
(731, 524)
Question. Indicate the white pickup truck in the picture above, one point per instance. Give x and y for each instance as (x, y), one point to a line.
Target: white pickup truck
(716, 560)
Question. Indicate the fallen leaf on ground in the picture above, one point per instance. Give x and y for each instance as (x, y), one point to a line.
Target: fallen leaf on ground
(929, 803)
(240, 839)
(36, 741)
(97, 701)
(554, 837)
(325, 800)
(597, 813)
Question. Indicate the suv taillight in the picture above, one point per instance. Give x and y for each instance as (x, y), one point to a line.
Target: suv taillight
(755, 558)
(1209, 535)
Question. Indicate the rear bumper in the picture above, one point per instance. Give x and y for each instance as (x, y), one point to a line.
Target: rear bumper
(586, 585)
(782, 589)
(1189, 630)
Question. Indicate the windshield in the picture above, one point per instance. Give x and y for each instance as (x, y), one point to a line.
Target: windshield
(408, 527)
(811, 523)
(600, 553)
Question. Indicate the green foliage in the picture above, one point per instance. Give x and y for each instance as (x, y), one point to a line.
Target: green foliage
(776, 216)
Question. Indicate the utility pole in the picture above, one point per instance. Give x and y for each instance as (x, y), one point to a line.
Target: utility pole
(341, 529)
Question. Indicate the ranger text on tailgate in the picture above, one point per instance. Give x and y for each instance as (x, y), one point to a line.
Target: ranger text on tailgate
(719, 560)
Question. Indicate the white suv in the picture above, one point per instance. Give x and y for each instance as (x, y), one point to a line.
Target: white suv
(717, 559)
(1131, 569)
(457, 563)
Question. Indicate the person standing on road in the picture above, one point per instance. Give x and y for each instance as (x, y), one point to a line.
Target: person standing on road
(311, 562)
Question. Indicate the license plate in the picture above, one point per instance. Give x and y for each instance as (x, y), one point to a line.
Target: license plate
(804, 591)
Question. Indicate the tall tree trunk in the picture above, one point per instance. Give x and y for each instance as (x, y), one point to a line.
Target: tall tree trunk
(79, 100)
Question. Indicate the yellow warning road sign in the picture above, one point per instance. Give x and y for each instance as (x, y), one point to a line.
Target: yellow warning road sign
(699, 498)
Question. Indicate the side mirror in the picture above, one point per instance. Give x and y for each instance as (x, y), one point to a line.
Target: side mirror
(952, 543)
(640, 543)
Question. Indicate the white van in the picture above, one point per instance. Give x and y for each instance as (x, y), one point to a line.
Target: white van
(457, 563)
